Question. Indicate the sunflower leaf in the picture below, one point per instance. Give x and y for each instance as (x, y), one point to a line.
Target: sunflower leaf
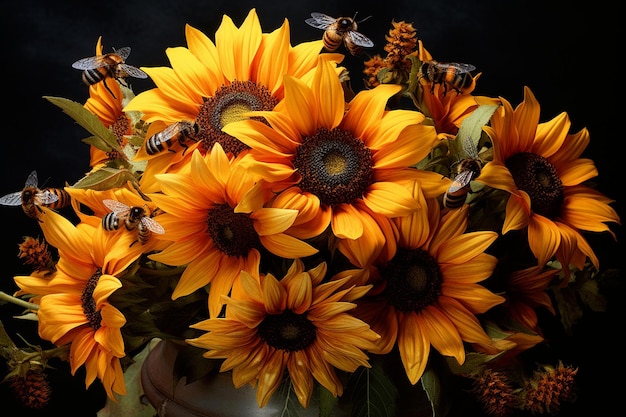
(105, 179)
(326, 401)
(472, 125)
(291, 407)
(98, 143)
(87, 120)
(436, 382)
(373, 392)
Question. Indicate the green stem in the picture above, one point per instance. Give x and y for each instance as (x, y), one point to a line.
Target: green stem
(6, 297)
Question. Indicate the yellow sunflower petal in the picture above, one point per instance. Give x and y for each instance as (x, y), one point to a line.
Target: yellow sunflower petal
(327, 89)
(390, 199)
(204, 49)
(301, 106)
(517, 213)
(287, 246)
(366, 109)
(346, 222)
(272, 61)
(475, 297)
(414, 347)
(544, 237)
(442, 333)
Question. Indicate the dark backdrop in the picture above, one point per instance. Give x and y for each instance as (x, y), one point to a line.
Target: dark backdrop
(566, 53)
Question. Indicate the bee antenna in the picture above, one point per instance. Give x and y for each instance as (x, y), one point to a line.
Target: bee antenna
(362, 20)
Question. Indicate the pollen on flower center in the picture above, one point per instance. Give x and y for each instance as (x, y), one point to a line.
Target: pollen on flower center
(334, 165)
(94, 317)
(535, 175)
(233, 113)
(232, 233)
(229, 104)
(287, 331)
(413, 280)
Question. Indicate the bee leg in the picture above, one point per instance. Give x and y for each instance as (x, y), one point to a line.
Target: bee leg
(131, 245)
(108, 89)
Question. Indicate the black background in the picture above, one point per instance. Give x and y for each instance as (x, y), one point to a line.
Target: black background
(566, 53)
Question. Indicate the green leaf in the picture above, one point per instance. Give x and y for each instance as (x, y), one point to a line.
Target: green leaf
(327, 403)
(98, 143)
(87, 120)
(473, 362)
(373, 392)
(472, 125)
(105, 179)
(431, 384)
(291, 406)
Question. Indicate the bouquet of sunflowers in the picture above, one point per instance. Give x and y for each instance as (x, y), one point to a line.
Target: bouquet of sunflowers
(332, 249)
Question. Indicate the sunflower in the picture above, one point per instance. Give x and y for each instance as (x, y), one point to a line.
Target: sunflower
(214, 84)
(337, 166)
(539, 164)
(428, 293)
(526, 291)
(216, 218)
(74, 307)
(105, 101)
(296, 323)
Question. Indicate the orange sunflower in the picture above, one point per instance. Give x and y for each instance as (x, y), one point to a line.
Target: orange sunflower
(539, 164)
(296, 323)
(526, 291)
(333, 165)
(74, 307)
(213, 84)
(106, 103)
(216, 218)
(429, 292)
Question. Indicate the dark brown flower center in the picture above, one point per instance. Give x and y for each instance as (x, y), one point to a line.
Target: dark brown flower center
(94, 317)
(227, 105)
(232, 233)
(535, 175)
(287, 331)
(413, 280)
(334, 165)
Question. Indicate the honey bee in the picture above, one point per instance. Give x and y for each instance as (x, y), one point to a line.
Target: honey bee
(342, 29)
(455, 75)
(180, 131)
(112, 65)
(134, 218)
(31, 197)
(467, 170)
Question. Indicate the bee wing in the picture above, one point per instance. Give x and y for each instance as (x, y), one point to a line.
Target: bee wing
(461, 180)
(122, 52)
(46, 197)
(171, 130)
(320, 20)
(90, 62)
(133, 71)
(13, 199)
(152, 225)
(359, 39)
(115, 206)
(469, 147)
(458, 65)
(31, 181)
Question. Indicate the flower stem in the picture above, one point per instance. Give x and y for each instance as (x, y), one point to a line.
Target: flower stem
(6, 297)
